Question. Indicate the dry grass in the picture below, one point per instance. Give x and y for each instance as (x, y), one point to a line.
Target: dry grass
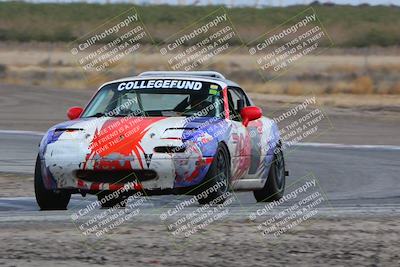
(395, 89)
(295, 88)
(325, 74)
(362, 85)
(385, 103)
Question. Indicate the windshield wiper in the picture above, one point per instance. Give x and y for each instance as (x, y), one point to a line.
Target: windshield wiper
(136, 113)
(120, 115)
(97, 115)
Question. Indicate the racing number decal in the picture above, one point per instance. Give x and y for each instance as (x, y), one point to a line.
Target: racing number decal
(242, 150)
(254, 129)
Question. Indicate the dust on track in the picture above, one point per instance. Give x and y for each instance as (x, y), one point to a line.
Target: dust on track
(322, 241)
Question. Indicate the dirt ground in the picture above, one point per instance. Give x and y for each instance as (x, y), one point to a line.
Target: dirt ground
(16, 185)
(323, 241)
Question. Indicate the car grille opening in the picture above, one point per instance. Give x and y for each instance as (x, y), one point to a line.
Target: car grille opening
(115, 176)
(169, 149)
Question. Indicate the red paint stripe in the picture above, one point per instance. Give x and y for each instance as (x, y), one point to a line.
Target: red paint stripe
(138, 187)
(115, 187)
(80, 184)
(209, 160)
(112, 187)
(226, 103)
(95, 186)
(194, 174)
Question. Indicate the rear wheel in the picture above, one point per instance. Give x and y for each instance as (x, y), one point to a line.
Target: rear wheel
(275, 185)
(48, 199)
(216, 184)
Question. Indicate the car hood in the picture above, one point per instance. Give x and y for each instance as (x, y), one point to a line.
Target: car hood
(125, 125)
(127, 136)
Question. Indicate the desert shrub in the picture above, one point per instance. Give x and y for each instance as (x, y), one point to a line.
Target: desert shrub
(362, 85)
(295, 88)
(395, 89)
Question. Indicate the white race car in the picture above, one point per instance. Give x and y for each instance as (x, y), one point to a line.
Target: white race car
(161, 133)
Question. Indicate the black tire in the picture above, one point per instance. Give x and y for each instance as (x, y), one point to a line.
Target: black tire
(108, 200)
(219, 171)
(275, 186)
(48, 199)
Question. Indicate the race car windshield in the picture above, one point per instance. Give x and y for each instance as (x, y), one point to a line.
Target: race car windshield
(198, 99)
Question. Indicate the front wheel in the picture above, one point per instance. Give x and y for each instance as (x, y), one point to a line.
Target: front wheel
(216, 183)
(275, 185)
(48, 199)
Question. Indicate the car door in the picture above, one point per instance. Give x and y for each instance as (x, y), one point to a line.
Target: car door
(240, 138)
(253, 143)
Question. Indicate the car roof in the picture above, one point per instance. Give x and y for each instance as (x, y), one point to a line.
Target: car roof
(201, 75)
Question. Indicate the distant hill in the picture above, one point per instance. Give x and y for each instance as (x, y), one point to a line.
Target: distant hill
(347, 25)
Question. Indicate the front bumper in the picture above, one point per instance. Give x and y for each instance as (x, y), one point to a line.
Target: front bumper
(103, 174)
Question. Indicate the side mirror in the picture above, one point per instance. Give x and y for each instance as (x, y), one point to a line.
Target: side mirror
(74, 112)
(250, 114)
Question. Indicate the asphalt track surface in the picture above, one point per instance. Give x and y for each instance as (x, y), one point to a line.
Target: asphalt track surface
(356, 180)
